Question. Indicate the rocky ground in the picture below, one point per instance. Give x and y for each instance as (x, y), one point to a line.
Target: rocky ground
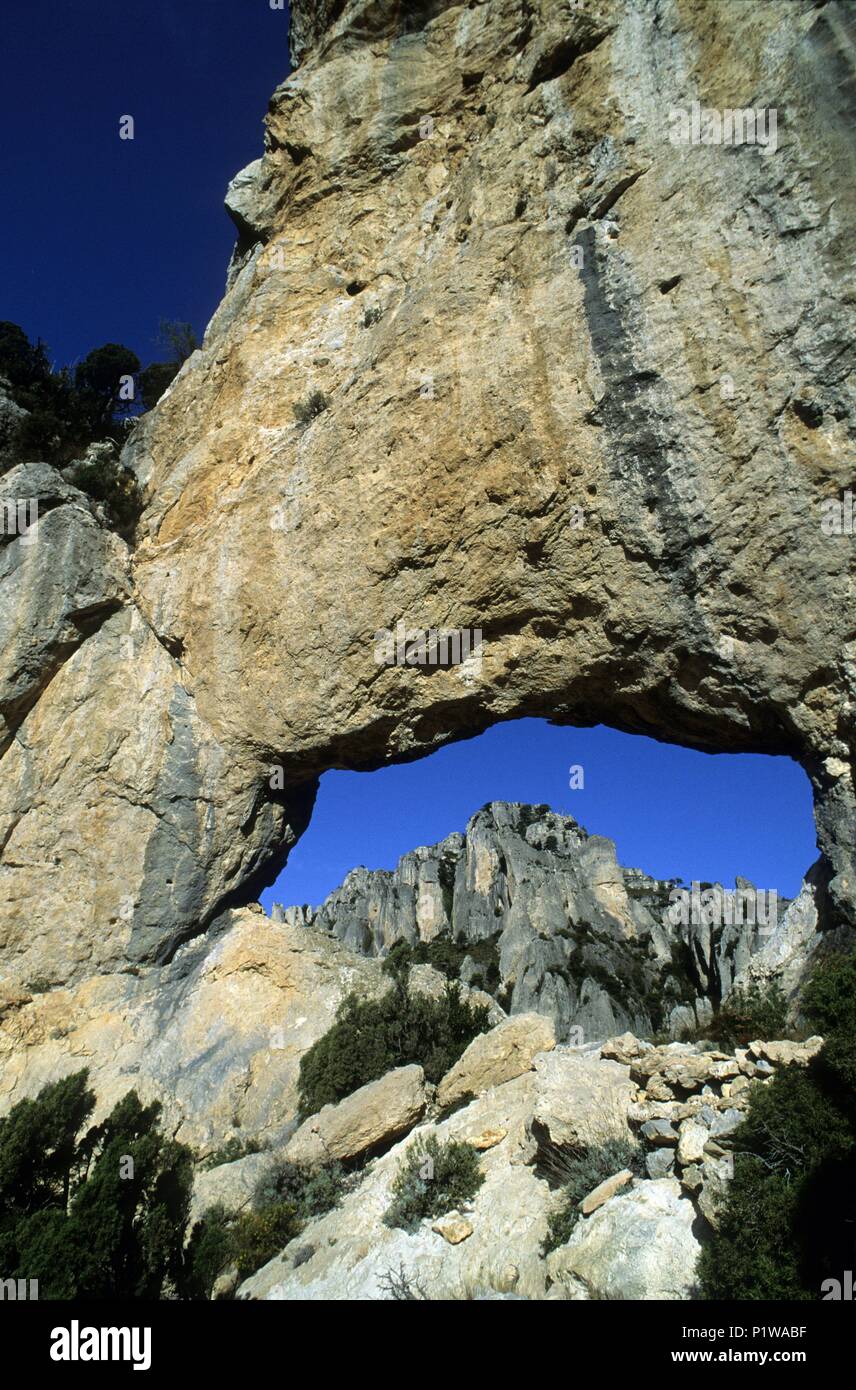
(638, 1237)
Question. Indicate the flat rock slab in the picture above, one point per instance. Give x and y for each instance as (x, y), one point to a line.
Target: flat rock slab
(498, 1056)
(376, 1114)
(604, 1191)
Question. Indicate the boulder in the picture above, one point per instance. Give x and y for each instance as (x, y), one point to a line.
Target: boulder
(725, 1122)
(717, 1173)
(659, 1163)
(491, 1058)
(625, 1048)
(581, 1100)
(786, 1053)
(693, 1137)
(230, 1185)
(659, 1132)
(692, 1177)
(639, 1245)
(604, 1191)
(453, 1227)
(365, 1121)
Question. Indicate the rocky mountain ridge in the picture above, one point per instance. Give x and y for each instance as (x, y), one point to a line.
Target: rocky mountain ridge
(547, 920)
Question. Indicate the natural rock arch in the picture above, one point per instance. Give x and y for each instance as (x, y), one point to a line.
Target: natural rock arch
(571, 317)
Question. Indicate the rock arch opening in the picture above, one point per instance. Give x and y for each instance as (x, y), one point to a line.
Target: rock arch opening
(611, 881)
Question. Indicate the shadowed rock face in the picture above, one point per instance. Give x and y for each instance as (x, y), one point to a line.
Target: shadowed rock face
(559, 378)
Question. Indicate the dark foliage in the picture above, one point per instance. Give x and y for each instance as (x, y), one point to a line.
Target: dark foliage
(789, 1217)
(434, 1178)
(91, 1213)
(370, 1037)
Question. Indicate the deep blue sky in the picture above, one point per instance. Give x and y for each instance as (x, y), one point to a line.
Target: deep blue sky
(673, 812)
(101, 238)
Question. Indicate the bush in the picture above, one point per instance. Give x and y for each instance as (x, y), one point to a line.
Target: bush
(577, 1172)
(209, 1251)
(448, 957)
(74, 1214)
(784, 1222)
(67, 410)
(310, 407)
(310, 1191)
(749, 1014)
(285, 1198)
(154, 380)
(787, 1220)
(180, 341)
(106, 481)
(371, 1037)
(256, 1236)
(24, 364)
(433, 1179)
(229, 1152)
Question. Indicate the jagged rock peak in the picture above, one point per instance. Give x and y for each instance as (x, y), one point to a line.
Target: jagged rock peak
(531, 907)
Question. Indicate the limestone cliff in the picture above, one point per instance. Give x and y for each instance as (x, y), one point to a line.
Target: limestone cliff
(543, 915)
(496, 353)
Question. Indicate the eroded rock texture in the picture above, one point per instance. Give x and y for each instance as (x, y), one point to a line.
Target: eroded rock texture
(531, 907)
(577, 386)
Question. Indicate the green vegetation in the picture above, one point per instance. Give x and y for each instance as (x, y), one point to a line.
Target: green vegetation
(620, 967)
(448, 957)
(286, 1197)
(310, 1191)
(230, 1152)
(577, 1171)
(310, 407)
(179, 341)
(105, 481)
(433, 1179)
(750, 1013)
(370, 1037)
(787, 1221)
(102, 1211)
(70, 409)
(92, 1212)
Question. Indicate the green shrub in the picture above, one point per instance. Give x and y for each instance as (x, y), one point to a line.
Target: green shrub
(310, 407)
(67, 410)
(748, 1014)
(154, 379)
(310, 1191)
(433, 1179)
(787, 1220)
(74, 1214)
(371, 1037)
(577, 1172)
(256, 1236)
(783, 1227)
(829, 999)
(106, 481)
(230, 1152)
(448, 957)
(285, 1198)
(210, 1251)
